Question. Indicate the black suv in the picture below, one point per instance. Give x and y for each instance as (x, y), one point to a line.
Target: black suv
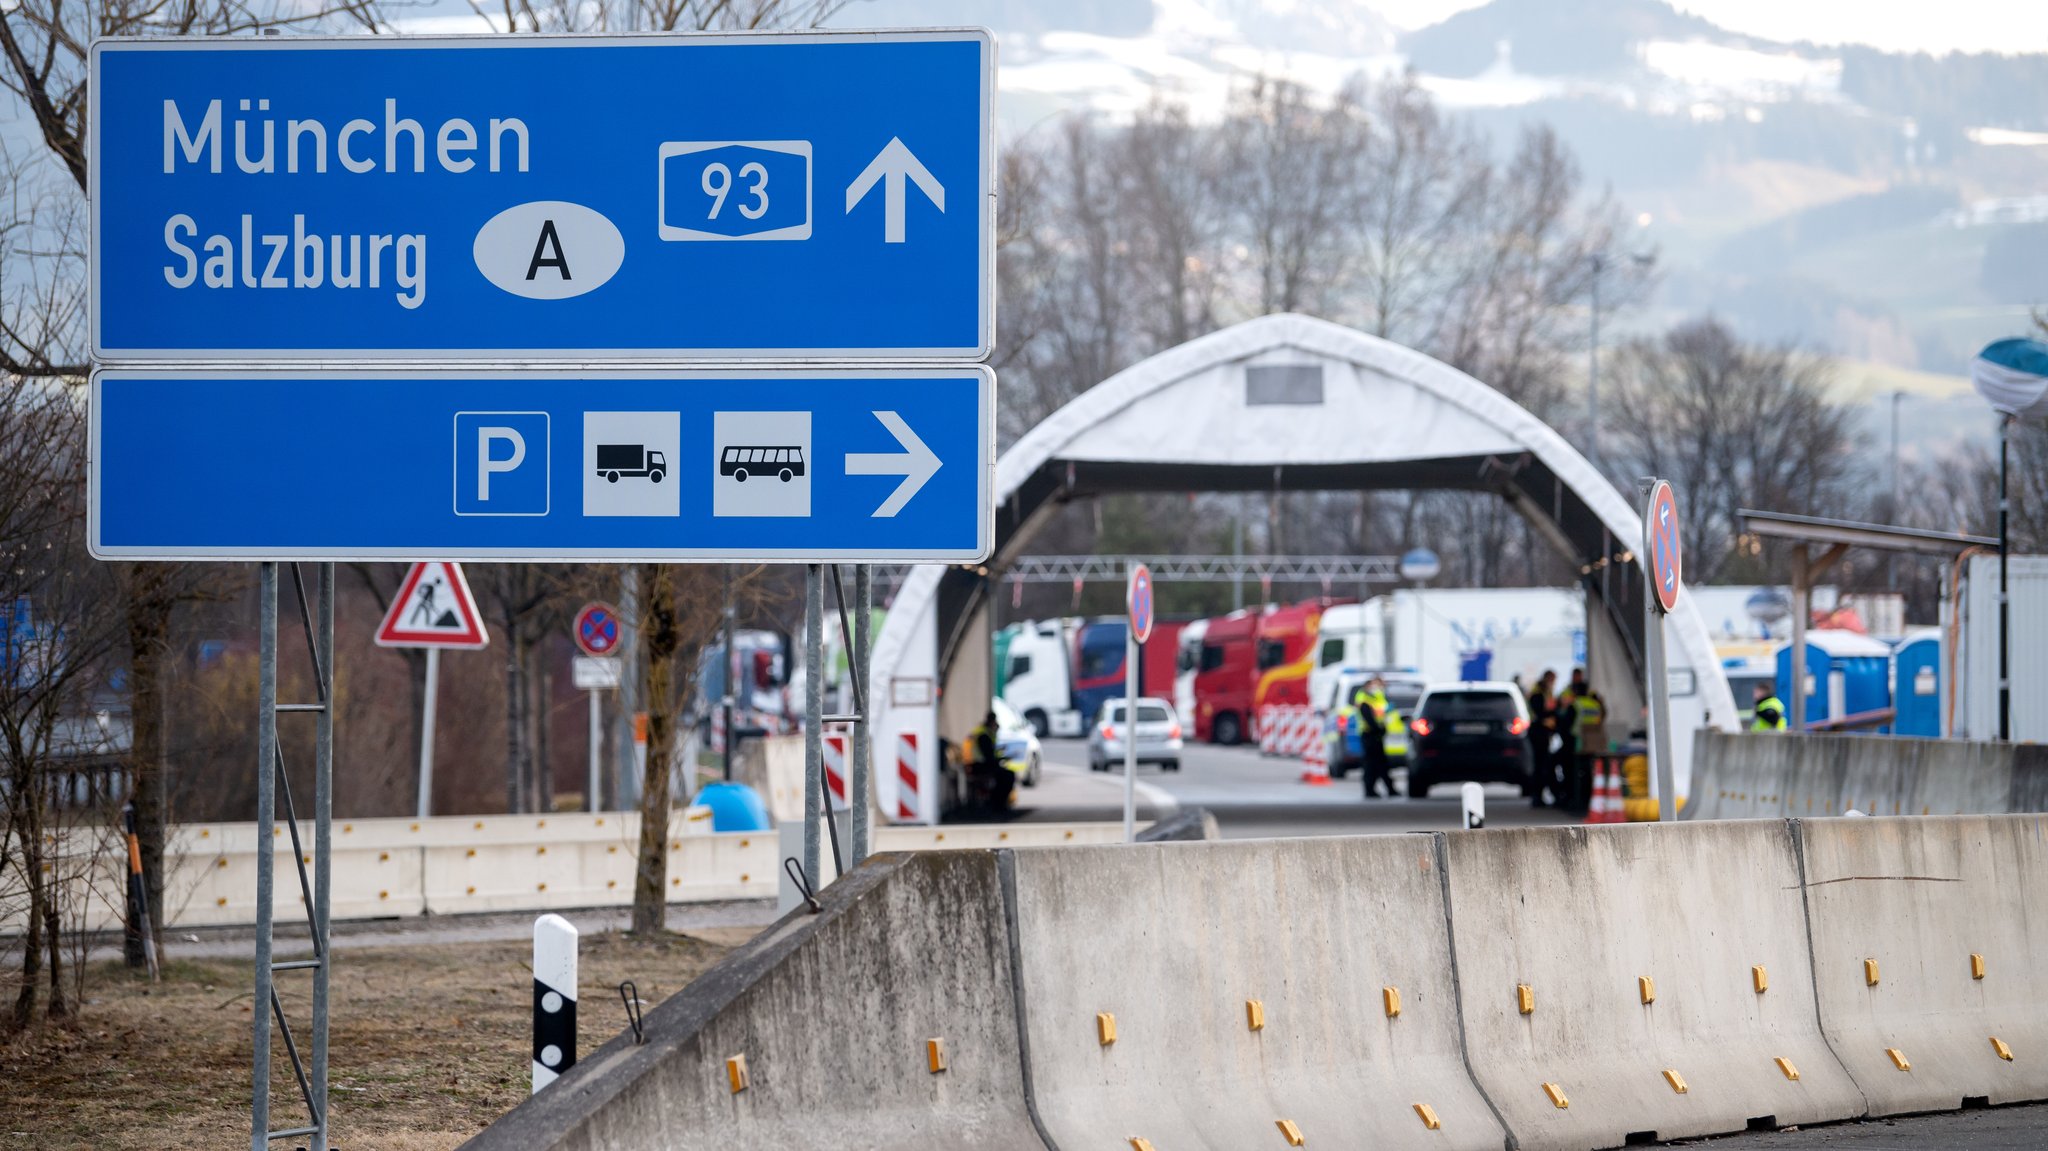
(1470, 731)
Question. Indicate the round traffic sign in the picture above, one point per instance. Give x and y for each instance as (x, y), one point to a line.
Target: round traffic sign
(1667, 558)
(1138, 598)
(597, 629)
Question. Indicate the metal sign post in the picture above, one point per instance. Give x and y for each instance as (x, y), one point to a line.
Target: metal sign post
(597, 631)
(272, 784)
(861, 779)
(1138, 602)
(433, 609)
(1663, 576)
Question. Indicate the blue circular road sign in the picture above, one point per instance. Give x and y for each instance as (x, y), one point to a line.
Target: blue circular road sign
(1138, 598)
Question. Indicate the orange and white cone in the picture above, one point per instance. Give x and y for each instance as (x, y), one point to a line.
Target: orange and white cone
(1616, 811)
(1600, 811)
(1315, 762)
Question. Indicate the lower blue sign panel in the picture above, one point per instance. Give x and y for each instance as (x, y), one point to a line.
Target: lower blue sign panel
(800, 464)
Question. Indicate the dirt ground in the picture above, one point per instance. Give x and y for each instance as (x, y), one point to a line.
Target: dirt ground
(430, 1044)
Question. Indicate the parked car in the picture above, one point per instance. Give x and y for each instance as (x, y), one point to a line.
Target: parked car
(1017, 743)
(1342, 736)
(1158, 735)
(1472, 731)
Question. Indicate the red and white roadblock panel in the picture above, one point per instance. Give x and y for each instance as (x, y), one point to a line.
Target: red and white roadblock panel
(908, 807)
(1315, 762)
(1288, 730)
(836, 744)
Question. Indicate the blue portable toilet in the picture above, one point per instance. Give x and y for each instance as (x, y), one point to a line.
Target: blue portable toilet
(1847, 673)
(1916, 683)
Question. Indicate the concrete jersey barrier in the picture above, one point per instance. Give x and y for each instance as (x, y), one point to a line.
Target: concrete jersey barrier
(1557, 988)
(1175, 942)
(1579, 917)
(1801, 775)
(832, 1014)
(1899, 908)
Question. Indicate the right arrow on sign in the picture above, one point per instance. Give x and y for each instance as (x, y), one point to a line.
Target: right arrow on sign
(894, 162)
(916, 464)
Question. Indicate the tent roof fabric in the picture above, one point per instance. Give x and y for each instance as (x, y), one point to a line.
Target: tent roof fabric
(1380, 416)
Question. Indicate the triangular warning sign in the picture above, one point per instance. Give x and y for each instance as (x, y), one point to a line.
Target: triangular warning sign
(433, 608)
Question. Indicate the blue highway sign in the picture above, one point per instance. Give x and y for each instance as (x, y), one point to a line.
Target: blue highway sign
(809, 464)
(814, 197)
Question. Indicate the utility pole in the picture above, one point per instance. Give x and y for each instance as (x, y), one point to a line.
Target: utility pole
(1891, 563)
(1593, 369)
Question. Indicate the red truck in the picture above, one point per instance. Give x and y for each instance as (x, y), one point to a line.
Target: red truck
(1252, 660)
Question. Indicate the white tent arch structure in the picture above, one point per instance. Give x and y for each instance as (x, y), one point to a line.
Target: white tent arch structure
(1287, 403)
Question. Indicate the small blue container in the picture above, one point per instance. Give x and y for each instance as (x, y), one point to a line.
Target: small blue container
(734, 807)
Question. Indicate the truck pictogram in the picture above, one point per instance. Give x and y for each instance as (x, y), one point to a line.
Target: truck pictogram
(615, 460)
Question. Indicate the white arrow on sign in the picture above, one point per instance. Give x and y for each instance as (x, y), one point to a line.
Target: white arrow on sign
(894, 162)
(916, 464)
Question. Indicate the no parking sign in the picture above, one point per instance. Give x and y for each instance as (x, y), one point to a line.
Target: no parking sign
(1138, 598)
(597, 629)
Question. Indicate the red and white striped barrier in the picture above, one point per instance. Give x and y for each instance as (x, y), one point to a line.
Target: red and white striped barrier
(1288, 730)
(1315, 761)
(835, 769)
(908, 809)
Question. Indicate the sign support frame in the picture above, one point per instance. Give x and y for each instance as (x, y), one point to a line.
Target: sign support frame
(316, 891)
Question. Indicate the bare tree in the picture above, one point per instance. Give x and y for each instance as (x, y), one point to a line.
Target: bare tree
(683, 611)
(1732, 426)
(1287, 173)
(57, 642)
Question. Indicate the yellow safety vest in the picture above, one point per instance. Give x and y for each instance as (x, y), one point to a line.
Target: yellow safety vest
(1590, 712)
(1763, 724)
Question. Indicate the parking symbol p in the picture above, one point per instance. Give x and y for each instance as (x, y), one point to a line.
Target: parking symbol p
(501, 463)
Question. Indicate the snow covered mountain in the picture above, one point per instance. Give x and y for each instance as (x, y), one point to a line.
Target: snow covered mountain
(1878, 206)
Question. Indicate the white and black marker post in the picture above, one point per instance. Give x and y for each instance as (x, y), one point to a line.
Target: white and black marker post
(554, 999)
(1472, 798)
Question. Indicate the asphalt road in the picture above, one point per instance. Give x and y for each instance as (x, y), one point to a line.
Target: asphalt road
(2022, 1128)
(1252, 796)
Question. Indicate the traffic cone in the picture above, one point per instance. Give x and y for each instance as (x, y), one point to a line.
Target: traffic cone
(1606, 807)
(1316, 763)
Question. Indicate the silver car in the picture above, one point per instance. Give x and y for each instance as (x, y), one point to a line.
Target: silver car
(1158, 735)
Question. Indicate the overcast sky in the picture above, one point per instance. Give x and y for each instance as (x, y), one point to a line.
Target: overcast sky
(1897, 25)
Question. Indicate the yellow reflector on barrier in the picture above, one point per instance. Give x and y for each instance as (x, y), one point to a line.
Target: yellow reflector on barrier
(1676, 1080)
(1760, 979)
(1899, 1059)
(1647, 988)
(1138, 1144)
(1870, 972)
(1556, 1094)
(1428, 1117)
(935, 1055)
(736, 1073)
(1105, 1028)
(1291, 1133)
(1999, 1046)
(1525, 999)
(1390, 998)
(1255, 1015)
(1976, 966)
(1790, 1071)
